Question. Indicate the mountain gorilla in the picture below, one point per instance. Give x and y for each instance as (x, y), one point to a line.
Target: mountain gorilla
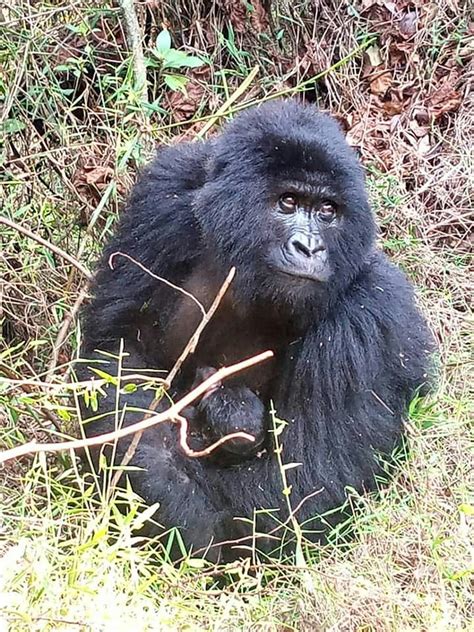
(280, 196)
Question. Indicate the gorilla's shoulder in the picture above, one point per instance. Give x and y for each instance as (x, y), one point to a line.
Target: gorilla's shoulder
(385, 292)
(381, 272)
(163, 195)
(181, 167)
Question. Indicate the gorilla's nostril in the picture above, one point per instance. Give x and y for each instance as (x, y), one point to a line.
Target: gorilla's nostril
(318, 246)
(307, 247)
(301, 248)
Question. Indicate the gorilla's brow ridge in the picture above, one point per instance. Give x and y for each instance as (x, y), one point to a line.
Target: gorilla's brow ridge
(308, 188)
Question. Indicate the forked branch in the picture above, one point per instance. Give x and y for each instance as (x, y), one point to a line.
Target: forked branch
(171, 414)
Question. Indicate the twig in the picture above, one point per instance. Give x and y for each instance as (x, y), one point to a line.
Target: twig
(134, 38)
(183, 439)
(63, 331)
(455, 217)
(191, 346)
(155, 276)
(171, 414)
(47, 244)
(233, 97)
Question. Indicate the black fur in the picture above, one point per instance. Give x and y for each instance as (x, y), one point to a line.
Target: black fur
(349, 353)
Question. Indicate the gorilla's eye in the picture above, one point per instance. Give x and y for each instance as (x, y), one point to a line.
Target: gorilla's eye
(327, 211)
(288, 203)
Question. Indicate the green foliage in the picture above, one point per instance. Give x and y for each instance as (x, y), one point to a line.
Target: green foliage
(166, 58)
(68, 557)
(11, 126)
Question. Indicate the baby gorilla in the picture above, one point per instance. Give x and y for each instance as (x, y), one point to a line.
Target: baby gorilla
(280, 196)
(224, 411)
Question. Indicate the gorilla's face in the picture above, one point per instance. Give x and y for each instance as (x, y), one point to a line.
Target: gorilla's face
(303, 220)
(284, 201)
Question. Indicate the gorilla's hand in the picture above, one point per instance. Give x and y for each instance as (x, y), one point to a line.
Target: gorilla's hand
(229, 409)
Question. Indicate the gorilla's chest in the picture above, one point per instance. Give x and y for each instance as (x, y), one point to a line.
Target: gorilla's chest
(230, 336)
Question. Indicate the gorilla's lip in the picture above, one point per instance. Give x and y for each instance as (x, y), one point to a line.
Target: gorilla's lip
(313, 273)
(301, 274)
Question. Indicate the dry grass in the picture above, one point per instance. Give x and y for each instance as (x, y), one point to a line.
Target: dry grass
(75, 130)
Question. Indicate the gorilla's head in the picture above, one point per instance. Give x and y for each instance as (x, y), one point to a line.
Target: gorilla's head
(284, 201)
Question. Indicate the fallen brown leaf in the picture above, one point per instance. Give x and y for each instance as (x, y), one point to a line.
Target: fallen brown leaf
(259, 18)
(184, 106)
(382, 83)
(445, 98)
(97, 175)
(393, 106)
(237, 13)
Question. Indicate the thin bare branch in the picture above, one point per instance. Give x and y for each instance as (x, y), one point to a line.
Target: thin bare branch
(63, 332)
(171, 414)
(193, 341)
(58, 251)
(155, 276)
(183, 440)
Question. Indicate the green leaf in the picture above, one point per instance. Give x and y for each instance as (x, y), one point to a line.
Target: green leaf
(11, 126)
(192, 61)
(94, 401)
(179, 59)
(102, 462)
(130, 388)
(279, 427)
(110, 379)
(176, 82)
(163, 42)
(63, 414)
(299, 556)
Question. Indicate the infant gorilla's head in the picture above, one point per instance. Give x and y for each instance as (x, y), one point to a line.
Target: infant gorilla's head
(284, 201)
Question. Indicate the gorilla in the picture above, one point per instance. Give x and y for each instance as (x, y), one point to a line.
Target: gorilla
(280, 196)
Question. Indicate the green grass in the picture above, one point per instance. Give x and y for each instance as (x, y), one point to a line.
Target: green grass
(75, 130)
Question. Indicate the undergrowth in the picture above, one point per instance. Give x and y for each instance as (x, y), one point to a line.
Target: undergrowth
(76, 126)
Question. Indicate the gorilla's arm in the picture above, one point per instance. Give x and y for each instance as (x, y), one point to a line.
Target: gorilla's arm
(348, 385)
(377, 338)
(158, 229)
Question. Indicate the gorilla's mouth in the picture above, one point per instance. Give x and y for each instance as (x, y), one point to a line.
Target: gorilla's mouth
(319, 277)
(314, 269)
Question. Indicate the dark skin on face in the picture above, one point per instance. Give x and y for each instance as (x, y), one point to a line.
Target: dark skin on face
(306, 217)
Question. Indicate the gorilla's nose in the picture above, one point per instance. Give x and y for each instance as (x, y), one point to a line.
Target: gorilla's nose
(304, 245)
